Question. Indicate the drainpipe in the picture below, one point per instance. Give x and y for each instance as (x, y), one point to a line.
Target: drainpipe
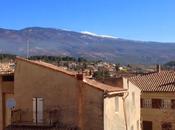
(124, 106)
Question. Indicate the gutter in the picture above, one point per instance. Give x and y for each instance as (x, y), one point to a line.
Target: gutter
(124, 109)
(118, 93)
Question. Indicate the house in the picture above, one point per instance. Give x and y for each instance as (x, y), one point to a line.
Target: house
(157, 99)
(6, 92)
(49, 96)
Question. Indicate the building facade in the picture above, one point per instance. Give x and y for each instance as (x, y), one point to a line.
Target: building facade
(127, 115)
(46, 95)
(157, 100)
(6, 93)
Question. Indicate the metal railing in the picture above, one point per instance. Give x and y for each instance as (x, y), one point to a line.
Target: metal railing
(11, 127)
(25, 117)
(23, 120)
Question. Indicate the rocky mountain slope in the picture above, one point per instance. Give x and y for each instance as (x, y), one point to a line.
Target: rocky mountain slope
(49, 41)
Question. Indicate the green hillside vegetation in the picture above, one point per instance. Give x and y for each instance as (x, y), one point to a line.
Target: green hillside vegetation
(169, 65)
(7, 57)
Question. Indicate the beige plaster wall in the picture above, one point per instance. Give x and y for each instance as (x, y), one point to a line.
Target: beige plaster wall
(92, 113)
(6, 90)
(158, 116)
(58, 90)
(7, 110)
(116, 120)
(113, 120)
(79, 103)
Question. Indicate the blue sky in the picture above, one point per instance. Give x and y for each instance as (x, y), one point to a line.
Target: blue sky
(150, 20)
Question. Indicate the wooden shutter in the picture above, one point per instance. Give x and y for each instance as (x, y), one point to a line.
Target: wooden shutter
(156, 103)
(173, 103)
(141, 102)
(34, 110)
(40, 110)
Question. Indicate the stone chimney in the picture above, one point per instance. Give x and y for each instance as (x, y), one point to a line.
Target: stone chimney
(158, 68)
(79, 76)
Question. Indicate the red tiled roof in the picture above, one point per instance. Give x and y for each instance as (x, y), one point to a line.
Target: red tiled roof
(102, 86)
(6, 68)
(163, 81)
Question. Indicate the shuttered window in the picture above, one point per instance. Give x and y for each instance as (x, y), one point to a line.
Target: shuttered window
(167, 126)
(166, 103)
(146, 103)
(173, 103)
(6, 78)
(116, 104)
(133, 98)
(141, 102)
(37, 110)
(156, 103)
(138, 125)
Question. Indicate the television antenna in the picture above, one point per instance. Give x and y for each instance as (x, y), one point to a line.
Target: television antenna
(28, 48)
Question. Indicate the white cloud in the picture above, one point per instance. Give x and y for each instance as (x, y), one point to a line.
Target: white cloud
(93, 34)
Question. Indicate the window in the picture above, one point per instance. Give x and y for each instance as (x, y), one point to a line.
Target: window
(38, 110)
(138, 125)
(166, 103)
(167, 126)
(146, 103)
(6, 78)
(156, 103)
(173, 103)
(147, 125)
(133, 98)
(116, 104)
(141, 103)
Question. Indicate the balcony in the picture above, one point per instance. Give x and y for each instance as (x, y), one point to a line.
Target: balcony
(24, 120)
(27, 118)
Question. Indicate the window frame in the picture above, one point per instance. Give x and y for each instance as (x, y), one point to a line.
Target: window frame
(117, 104)
(172, 103)
(133, 98)
(7, 78)
(156, 103)
(167, 126)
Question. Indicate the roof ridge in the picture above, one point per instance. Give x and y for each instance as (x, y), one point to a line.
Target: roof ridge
(93, 83)
(160, 82)
(47, 65)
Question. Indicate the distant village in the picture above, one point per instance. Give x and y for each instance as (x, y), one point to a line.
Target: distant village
(97, 69)
(65, 93)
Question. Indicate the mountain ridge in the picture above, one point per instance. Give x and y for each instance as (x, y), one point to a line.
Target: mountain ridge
(51, 41)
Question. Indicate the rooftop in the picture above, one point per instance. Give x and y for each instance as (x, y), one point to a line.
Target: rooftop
(49, 66)
(7, 68)
(93, 83)
(163, 81)
(102, 86)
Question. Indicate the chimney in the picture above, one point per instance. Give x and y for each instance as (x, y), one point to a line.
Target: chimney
(79, 76)
(158, 68)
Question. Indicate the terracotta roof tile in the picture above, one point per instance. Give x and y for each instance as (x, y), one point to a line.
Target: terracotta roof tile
(163, 81)
(6, 68)
(102, 86)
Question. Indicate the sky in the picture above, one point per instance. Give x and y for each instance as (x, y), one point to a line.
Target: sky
(146, 20)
